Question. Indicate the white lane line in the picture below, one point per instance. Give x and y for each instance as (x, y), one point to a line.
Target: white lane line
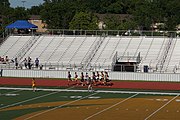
(111, 106)
(30, 99)
(160, 108)
(99, 91)
(59, 106)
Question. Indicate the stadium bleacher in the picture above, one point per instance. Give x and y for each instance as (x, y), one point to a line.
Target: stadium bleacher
(11, 46)
(77, 50)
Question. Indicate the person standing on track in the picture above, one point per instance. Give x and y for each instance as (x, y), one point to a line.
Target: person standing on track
(69, 78)
(97, 76)
(106, 78)
(102, 78)
(86, 78)
(82, 79)
(90, 84)
(33, 84)
(94, 78)
(76, 78)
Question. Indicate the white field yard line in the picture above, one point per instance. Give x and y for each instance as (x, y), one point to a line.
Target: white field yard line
(160, 108)
(10, 92)
(111, 107)
(29, 100)
(38, 114)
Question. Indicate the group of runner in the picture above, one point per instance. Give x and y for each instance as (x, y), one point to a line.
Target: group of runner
(97, 78)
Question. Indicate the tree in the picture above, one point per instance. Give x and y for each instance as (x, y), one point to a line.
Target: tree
(5, 12)
(35, 10)
(4, 3)
(116, 7)
(112, 23)
(57, 15)
(19, 13)
(84, 21)
(143, 14)
(172, 14)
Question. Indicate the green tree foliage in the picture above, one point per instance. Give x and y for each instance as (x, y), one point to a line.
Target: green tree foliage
(4, 3)
(172, 14)
(84, 21)
(116, 7)
(108, 6)
(142, 14)
(65, 14)
(35, 10)
(58, 14)
(148, 12)
(4, 13)
(19, 13)
(9, 14)
(113, 23)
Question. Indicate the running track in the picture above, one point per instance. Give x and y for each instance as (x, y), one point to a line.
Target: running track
(116, 84)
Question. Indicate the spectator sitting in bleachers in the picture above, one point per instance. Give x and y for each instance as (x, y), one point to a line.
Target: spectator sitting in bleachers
(2, 60)
(6, 59)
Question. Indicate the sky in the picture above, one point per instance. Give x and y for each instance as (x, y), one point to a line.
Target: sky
(27, 3)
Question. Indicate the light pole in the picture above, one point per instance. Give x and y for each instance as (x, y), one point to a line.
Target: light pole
(23, 1)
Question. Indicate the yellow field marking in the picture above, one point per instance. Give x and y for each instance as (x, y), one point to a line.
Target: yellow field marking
(110, 107)
(59, 106)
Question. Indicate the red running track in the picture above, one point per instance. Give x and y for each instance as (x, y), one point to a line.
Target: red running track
(116, 84)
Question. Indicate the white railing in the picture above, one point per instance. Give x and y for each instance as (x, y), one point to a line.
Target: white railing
(79, 66)
(94, 50)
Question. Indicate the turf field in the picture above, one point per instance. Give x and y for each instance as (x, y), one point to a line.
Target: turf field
(77, 103)
(55, 100)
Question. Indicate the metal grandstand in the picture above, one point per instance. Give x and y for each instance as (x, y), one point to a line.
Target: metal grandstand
(94, 50)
